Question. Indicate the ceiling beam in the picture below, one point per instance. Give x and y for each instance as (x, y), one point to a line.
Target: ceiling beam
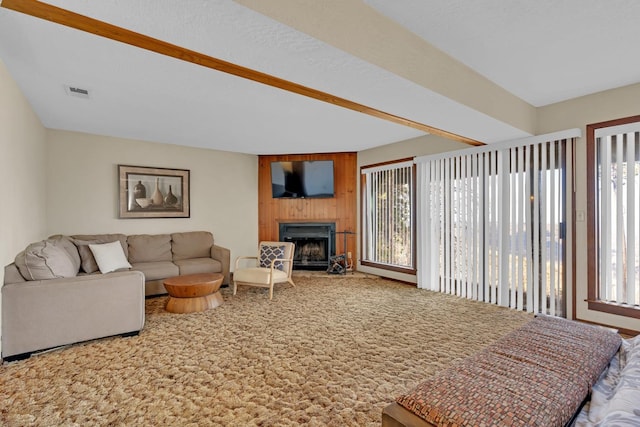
(90, 25)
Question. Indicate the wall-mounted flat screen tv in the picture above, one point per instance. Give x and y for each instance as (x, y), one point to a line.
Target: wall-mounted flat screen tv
(301, 179)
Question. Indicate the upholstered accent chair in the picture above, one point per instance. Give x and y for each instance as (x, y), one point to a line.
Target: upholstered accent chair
(272, 265)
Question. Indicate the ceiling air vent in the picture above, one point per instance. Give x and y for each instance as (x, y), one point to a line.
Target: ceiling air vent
(77, 91)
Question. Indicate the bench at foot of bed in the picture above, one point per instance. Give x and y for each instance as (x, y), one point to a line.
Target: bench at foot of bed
(538, 375)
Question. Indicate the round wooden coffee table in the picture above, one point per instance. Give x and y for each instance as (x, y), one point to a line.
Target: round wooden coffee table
(193, 292)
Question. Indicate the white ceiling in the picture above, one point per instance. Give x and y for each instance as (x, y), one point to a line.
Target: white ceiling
(539, 51)
(543, 51)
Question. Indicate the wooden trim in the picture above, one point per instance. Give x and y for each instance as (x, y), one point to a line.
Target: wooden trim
(405, 270)
(592, 252)
(593, 297)
(573, 233)
(414, 219)
(90, 25)
(411, 271)
(614, 308)
(615, 122)
(388, 162)
(360, 241)
(413, 216)
(629, 332)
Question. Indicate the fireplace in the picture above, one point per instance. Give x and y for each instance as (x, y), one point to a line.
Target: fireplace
(314, 242)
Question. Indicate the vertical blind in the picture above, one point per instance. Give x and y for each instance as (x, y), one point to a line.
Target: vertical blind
(618, 213)
(387, 219)
(491, 222)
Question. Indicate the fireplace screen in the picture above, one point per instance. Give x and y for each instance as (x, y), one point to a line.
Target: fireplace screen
(314, 243)
(311, 251)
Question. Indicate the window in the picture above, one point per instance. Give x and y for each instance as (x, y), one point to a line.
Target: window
(492, 223)
(388, 216)
(613, 156)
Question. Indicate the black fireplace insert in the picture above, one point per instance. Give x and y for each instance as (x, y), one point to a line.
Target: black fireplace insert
(314, 243)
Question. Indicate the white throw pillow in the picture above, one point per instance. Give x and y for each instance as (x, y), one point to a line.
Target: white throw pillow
(109, 257)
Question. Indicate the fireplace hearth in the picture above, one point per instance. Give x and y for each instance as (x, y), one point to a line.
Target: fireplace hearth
(314, 243)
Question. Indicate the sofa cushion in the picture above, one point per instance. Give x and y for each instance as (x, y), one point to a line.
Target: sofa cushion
(109, 257)
(149, 248)
(156, 270)
(105, 238)
(194, 244)
(67, 244)
(87, 261)
(82, 242)
(47, 259)
(198, 265)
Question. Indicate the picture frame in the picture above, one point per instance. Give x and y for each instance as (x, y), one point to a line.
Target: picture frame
(149, 192)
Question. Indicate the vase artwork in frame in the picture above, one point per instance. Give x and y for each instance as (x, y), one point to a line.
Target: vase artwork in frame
(148, 192)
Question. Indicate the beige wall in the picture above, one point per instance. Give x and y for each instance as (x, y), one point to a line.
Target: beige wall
(420, 146)
(66, 182)
(22, 167)
(82, 188)
(22, 172)
(578, 113)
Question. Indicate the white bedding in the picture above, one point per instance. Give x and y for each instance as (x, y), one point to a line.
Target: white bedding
(615, 398)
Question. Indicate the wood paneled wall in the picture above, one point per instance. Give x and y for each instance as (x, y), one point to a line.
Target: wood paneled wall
(341, 209)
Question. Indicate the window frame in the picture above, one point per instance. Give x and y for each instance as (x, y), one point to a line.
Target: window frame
(593, 299)
(363, 221)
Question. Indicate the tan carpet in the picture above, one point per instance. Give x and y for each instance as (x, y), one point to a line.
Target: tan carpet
(331, 352)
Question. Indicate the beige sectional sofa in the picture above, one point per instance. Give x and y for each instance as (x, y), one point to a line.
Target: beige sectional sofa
(54, 293)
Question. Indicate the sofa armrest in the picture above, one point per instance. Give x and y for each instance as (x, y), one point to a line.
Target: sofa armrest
(12, 274)
(224, 256)
(41, 314)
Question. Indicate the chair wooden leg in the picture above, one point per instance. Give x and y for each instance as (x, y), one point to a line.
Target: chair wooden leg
(235, 287)
(290, 280)
(271, 292)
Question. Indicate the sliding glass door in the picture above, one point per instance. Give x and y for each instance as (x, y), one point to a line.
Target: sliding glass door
(492, 224)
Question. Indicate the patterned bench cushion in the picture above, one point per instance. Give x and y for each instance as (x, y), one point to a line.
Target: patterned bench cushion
(538, 375)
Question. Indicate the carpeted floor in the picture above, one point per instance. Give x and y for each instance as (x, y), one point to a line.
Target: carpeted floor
(331, 352)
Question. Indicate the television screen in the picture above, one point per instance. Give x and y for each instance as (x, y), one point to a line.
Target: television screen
(299, 179)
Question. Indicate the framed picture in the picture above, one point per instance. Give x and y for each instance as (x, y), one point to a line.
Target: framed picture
(153, 192)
